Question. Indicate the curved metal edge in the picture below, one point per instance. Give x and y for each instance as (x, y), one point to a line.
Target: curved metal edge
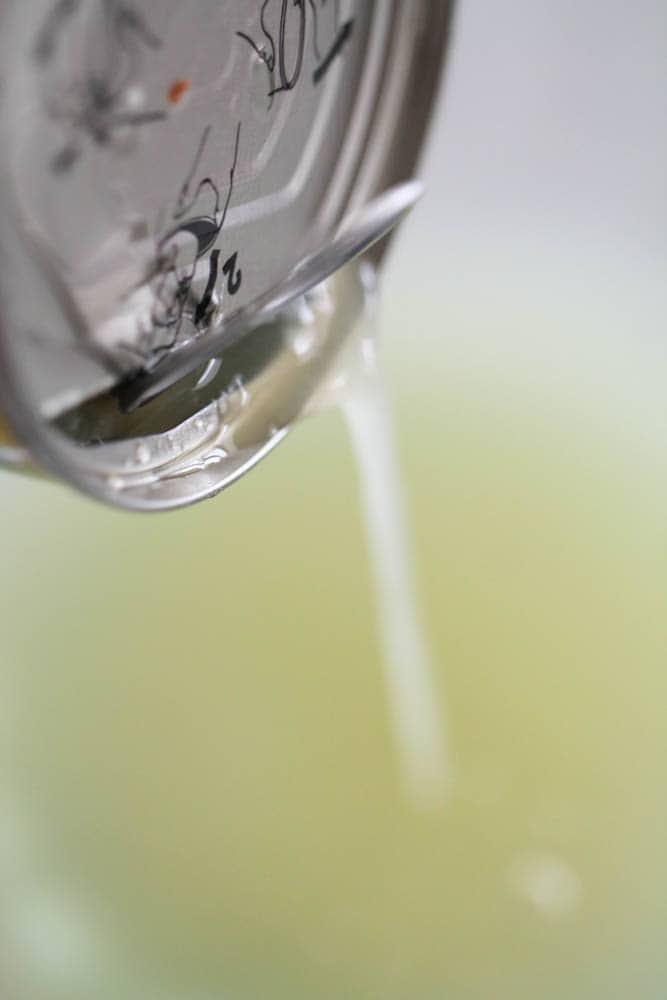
(404, 139)
(410, 128)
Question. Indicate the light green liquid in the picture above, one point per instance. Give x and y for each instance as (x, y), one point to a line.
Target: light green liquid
(200, 796)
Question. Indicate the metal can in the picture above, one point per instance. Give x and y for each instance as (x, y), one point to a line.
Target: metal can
(176, 179)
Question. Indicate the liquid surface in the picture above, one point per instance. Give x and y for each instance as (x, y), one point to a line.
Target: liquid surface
(200, 795)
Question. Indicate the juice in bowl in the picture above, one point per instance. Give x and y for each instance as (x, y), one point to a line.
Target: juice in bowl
(204, 794)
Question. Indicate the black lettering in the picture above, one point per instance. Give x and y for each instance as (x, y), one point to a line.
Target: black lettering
(233, 274)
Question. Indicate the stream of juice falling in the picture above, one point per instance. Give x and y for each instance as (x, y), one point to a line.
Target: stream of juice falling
(414, 701)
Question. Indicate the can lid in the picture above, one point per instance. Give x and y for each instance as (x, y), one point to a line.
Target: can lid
(174, 175)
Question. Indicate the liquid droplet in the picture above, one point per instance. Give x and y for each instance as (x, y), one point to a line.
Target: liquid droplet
(549, 883)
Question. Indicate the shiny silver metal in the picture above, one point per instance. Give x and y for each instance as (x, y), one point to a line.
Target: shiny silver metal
(175, 179)
(357, 236)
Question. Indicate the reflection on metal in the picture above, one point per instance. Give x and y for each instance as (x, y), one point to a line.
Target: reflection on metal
(175, 178)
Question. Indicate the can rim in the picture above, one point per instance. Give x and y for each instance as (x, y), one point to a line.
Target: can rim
(393, 147)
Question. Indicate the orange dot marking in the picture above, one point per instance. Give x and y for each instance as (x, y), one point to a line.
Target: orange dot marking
(178, 90)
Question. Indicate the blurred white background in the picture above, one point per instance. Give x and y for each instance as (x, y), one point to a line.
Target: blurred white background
(547, 209)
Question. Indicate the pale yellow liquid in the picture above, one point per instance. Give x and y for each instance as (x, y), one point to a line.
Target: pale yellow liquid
(200, 793)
